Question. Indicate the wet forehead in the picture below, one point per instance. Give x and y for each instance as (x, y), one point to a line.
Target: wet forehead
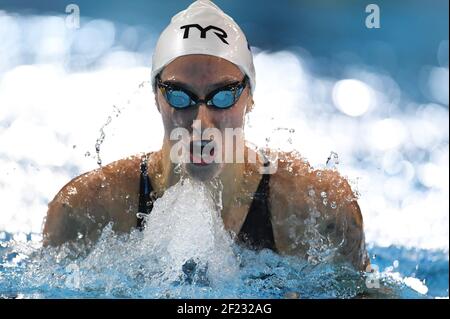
(201, 72)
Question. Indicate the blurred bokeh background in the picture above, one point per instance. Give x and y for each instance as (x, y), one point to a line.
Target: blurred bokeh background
(325, 83)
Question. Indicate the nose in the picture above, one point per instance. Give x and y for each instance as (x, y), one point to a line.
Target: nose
(204, 116)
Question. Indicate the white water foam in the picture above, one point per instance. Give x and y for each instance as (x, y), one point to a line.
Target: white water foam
(185, 224)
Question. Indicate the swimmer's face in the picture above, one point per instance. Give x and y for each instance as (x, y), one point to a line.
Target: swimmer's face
(200, 75)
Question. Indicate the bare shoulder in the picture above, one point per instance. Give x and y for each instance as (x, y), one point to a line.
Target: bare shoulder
(296, 174)
(81, 209)
(316, 207)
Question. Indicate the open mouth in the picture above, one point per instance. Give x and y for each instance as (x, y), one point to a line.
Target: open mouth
(202, 152)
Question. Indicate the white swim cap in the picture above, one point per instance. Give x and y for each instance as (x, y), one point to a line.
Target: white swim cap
(203, 28)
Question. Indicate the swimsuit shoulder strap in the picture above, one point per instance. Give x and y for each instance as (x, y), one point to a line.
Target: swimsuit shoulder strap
(146, 194)
(257, 231)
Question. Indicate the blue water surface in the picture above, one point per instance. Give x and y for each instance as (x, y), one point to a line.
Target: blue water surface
(28, 271)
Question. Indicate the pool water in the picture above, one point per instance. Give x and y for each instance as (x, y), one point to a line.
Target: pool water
(27, 272)
(184, 252)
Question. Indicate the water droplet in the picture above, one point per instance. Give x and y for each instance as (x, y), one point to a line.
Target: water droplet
(311, 193)
(101, 139)
(141, 215)
(333, 160)
(323, 194)
(395, 263)
(325, 201)
(177, 168)
(333, 205)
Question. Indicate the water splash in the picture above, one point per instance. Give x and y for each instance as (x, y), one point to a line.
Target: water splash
(281, 138)
(178, 169)
(332, 161)
(117, 111)
(100, 140)
(185, 252)
(320, 248)
(183, 247)
(122, 266)
(186, 225)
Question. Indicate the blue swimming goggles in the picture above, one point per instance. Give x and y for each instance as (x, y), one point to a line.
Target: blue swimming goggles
(221, 98)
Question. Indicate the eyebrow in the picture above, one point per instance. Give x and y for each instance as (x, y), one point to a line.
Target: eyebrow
(211, 87)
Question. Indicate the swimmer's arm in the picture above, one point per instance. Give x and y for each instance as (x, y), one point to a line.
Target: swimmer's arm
(297, 192)
(89, 202)
(71, 215)
(342, 221)
(350, 227)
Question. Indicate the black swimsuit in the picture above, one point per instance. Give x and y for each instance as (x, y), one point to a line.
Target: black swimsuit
(256, 232)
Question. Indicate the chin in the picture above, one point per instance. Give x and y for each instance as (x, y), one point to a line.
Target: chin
(203, 172)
